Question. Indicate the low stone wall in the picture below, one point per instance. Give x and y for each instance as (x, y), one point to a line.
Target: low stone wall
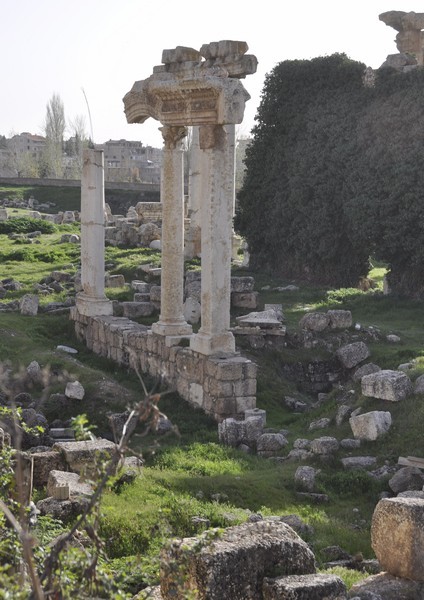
(222, 386)
(109, 185)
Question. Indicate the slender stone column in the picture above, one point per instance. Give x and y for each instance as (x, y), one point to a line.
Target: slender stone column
(217, 217)
(92, 300)
(195, 195)
(171, 320)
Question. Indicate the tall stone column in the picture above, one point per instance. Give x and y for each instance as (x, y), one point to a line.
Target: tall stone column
(195, 195)
(92, 300)
(216, 219)
(171, 319)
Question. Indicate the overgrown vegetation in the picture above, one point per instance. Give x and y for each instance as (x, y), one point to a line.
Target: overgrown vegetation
(334, 174)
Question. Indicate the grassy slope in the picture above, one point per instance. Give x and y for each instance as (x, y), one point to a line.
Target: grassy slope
(184, 473)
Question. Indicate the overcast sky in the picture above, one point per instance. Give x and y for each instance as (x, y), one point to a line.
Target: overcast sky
(103, 46)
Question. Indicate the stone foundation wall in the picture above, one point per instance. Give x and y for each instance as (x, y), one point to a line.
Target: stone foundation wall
(222, 386)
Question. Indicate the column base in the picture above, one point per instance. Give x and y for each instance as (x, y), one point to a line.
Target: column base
(93, 307)
(181, 328)
(207, 344)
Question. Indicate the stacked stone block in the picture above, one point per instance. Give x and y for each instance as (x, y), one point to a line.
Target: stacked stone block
(222, 386)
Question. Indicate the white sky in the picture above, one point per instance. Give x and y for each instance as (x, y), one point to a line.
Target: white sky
(103, 46)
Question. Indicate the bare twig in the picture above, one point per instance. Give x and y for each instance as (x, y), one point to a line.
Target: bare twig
(144, 409)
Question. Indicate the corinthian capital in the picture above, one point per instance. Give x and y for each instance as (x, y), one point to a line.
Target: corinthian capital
(173, 136)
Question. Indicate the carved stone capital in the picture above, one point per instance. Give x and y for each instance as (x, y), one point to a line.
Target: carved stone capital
(173, 136)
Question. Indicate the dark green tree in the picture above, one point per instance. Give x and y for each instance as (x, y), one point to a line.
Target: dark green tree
(291, 204)
(384, 198)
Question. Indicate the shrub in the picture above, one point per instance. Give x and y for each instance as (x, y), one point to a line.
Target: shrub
(26, 225)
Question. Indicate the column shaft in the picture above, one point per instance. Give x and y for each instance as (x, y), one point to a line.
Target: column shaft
(92, 300)
(171, 320)
(217, 216)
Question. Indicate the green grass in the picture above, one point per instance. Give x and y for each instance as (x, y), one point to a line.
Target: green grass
(62, 198)
(187, 473)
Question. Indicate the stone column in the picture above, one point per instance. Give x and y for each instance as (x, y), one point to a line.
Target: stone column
(92, 300)
(195, 195)
(217, 217)
(171, 319)
(230, 130)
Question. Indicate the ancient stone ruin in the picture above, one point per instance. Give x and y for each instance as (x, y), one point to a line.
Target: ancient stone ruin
(409, 39)
(201, 89)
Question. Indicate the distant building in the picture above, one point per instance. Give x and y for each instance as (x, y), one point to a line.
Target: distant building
(27, 142)
(131, 161)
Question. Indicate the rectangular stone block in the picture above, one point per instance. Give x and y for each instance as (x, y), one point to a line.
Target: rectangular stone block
(81, 456)
(134, 310)
(44, 462)
(246, 387)
(315, 586)
(242, 284)
(245, 299)
(234, 565)
(228, 369)
(245, 403)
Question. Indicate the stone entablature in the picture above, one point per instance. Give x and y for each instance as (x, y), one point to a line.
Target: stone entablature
(186, 90)
(223, 386)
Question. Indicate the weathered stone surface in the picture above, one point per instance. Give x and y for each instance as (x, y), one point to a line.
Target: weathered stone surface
(340, 319)
(352, 354)
(44, 462)
(359, 462)
(244, 299)
(62, 509)
(305, 478)
(72, 480)
(296, 523)
(343, 412)
(319, 424)
(242, 284)
(324, 445)
(407, 478)
(81, 456)
(266, 319)
(304, 587)
(349, 444)
(74, 390)
(397, 536)
(419, 385)
(314, 321)
(230, 432)
(387, 385)
(192, 310)
(148, 232)
(256, 412)
(155, 293)
(412, 494)
(28, 305)
(384, 586)
(270, 444)
(234, 565)
(114, 281)
(133, 310)
(371, 425)
(277, 308)
(140, 286)
(366, 369)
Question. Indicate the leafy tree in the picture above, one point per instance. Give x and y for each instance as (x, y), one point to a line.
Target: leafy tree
(291, 204)
(54, 130)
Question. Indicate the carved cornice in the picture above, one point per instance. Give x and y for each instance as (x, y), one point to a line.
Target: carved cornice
(186, 90)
